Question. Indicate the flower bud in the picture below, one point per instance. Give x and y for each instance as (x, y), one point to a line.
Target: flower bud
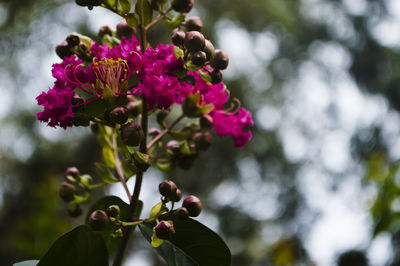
(94, 127)
(74, 210)
(154, 132)
(178, 37)
(193, 205)
(216, 76)
(80, 119)
(72, 171)
(66, 191)
(113, 211)
(132, 134)
(123, 29)
(206, 122)
(173, 146)
(134, 108)
(119, 115)
(167, 188)
(98, 220)
(164, 230)
(62, 50)
(220, 60)
(104, 30)
(193, 24)
(181, 213)
(209, 49)
(73, 40)
(202, 140)
(182, 6)
(194, 41)
(199, 58)
(176, 196)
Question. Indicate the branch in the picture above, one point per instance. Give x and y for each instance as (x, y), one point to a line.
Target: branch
(164, 132)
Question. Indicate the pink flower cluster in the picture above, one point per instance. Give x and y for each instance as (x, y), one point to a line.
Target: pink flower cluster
(157, 71)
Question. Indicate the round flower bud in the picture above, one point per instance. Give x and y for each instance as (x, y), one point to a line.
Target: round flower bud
(154, 132)
(134, 108)
(209, 49)
(81, 2)
(104, 30)
(123, 29)
(194, 41)
(62, 50)
(113, 211)
(220, 60)
(181, 213)
(119, 115)
(98, 220)
(193, 205)
(182, 6)
(66, 191)
(164, 229)
(206, 122)
(75, 210)
(193, 24)
(73, 39)
(216, 76)
(199, 58)
(173, 145)
(167, 188)
(178, 37)
(203, 140)
(176, 196)
(72, 171)
(132, 134)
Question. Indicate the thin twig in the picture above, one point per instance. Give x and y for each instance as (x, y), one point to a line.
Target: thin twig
(157, 19)
(119, 168)
(164, 132)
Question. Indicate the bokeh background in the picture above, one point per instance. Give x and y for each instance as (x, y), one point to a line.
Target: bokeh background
(317, 185)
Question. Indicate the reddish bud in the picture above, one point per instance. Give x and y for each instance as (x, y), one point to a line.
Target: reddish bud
(193, 24)
(73, 39)
(134, 108)
(176, 196)
(66, 191)
(209, 49)
(206, 122)
(132, 134)
(123, 29)
(216, 76)
(220, 60)
(62, 50)
(164, 229)
(182, 6)
(193, 205)
(199, 58)
(98, 220)
(178, 37)
(154, 132)
(119, 115)
(202, 140)
(105, 30)
(72, 171)
(181, 213)
(194, 41)
(167, 188)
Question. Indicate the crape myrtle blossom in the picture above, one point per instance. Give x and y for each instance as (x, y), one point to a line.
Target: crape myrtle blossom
(157, 69)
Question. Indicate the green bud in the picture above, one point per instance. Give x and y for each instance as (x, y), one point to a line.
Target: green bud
(113, 211)
(74, 210)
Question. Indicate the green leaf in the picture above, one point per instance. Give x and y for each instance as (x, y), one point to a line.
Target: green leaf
(82, 199)
(143, 9)
(205, 76)
(164, 165)
(102, 204)
(192, 244)
(132, 19)
(155, 241)
(178, 52)
(108, 157)
(111, 3)
(79, 247)
(105, 174)
(156, 210)
(124, 6)
(26, 263)
(96, 108)
(182, 134)
(176, 21)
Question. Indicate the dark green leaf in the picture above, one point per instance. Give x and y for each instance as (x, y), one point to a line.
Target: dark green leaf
(79, 247)
(192, 244)
(205, 76)
(26, 263)
(102, 204)
(96, 108)
(143, 9)
(132, 19)
(111, 3)
(124, 6)
(105, 174)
